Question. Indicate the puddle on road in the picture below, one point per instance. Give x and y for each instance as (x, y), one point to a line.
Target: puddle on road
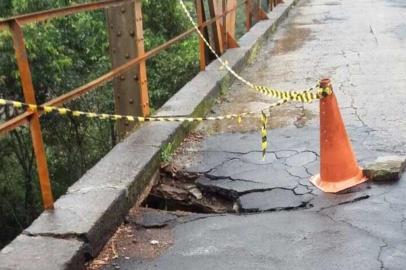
(242, 99)
(279, 118)
(285, 115)
(294, 38)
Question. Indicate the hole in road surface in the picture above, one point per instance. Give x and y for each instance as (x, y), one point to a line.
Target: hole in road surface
(177, 191)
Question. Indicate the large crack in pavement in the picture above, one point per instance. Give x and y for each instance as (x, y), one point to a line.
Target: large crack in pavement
(270, 214)
(276, 199)
(246, 183)
(379, 258)
(381, 247)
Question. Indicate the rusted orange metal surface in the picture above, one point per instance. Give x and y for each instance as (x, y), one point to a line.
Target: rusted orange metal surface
(260, 14)
(126, 42)
(60, 12)
(142, 69)
(75, 93)
(32, 117)
(248, 14)
(15, 122)
(214, 9)
(224, 24)
(122, 40)
(35, 126)
(201, 18)
(229, 24)
(231, 18)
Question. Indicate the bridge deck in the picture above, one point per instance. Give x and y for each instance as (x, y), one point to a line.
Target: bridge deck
(361, 46)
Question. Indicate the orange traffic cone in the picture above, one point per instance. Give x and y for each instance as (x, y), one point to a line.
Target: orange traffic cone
(338, 165)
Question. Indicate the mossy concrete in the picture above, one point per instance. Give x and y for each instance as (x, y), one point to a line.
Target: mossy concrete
(97, 203)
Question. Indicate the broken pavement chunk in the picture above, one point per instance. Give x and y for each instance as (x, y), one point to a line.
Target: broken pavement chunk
(194, 191)
(385, 169)
(151, 218)
(272, 200)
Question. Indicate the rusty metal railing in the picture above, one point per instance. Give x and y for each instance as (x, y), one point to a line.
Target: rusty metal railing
(222, 20)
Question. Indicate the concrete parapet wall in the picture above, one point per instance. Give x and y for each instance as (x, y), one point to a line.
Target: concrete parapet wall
(85, 217)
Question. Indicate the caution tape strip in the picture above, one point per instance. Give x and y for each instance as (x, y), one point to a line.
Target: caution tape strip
(300, 96)
(264, 143)
(307, 96)
(115, 117)
(130, 118)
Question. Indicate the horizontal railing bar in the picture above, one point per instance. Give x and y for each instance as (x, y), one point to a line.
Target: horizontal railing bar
(113, 73)
(117, 71)
(24, 118)
(15, 122)
(59, 12)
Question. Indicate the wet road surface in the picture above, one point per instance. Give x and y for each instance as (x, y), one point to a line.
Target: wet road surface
(283, 221)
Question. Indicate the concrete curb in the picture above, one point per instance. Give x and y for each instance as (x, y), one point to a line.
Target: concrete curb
(85, 217)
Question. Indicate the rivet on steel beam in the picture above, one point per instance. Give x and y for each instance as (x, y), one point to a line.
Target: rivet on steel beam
(119, 33)
(132, 33)
(131, 101)
(111, 26)
(135, 78)
(122, 10)
(122, 77)
(127, 55)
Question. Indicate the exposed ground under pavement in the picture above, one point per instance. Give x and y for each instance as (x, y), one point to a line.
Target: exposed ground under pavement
(283, 221)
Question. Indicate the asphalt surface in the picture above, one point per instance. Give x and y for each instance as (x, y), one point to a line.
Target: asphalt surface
(283, 221)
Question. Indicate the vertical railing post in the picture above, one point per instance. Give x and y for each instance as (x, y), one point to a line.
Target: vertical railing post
(142, 71)
(217, 36)
(259, 5)
(126, 43)
(259, 12)
(224, 24)
(231, 17)
(35, 126)
(122, 40)
(230, 24)
(201, 18)
(248, 14)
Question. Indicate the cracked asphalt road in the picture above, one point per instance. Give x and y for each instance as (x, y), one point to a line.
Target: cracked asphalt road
(285, 223)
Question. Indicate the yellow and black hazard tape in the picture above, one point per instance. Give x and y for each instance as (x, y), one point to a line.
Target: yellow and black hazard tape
(298, 96)
(130, 118)
(264, 134)
(115, 117)
(306, 96)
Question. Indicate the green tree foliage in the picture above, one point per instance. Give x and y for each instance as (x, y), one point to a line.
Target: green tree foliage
(65, 53)
(172, 68)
